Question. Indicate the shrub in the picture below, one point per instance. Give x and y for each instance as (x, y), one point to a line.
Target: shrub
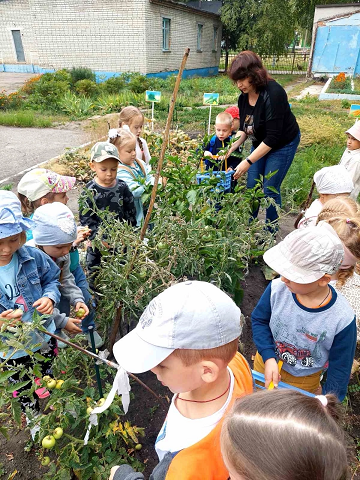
(29, 85)
(75, 106)
(114, 84)
(11, 101)
(86, 87)
(138, 83)
(48, 90)
(81, 73)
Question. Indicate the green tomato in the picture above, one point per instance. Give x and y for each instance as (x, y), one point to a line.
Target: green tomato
(80, 313)
(101, 402)
(59, 384)
(46, 378)
(48, 442)
(51, 384)
(138, 446)
(142, 273)
(58, 433)
(162, 246)
(89, 410)
(45, 461)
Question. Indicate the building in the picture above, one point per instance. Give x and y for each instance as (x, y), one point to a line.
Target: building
(108, 36)
(336, 40)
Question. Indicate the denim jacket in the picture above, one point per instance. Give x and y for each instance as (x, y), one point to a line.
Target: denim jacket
(38, 276)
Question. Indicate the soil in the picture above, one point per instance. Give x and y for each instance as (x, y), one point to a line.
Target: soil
(146, 411)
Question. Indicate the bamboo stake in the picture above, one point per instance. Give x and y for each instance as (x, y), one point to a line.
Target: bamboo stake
(104, 360)
(117, 320)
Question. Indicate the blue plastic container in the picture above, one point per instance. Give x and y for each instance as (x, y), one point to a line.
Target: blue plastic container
(259, 377)
(224, 179)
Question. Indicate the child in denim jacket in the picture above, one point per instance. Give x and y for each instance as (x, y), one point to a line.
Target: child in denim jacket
(28, 282)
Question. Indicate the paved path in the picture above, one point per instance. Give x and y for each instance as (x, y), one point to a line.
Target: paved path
(23, 148)
(11, 82)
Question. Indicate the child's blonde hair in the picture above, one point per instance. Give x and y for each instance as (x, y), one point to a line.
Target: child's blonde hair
(343, 214)
(123, 136)
(224, 118)
(126, 115)
(224, 353)
(283, 434)
(28, 207)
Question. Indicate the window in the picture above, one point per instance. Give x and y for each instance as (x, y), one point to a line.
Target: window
(215, 39)
(166, 34)
(20, 55)
(199, 37)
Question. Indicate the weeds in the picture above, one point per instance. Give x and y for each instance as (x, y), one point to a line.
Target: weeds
(25, 119)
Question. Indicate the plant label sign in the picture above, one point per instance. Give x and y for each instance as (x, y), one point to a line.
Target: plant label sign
(152, 96)
(211, 99)
(354, 111)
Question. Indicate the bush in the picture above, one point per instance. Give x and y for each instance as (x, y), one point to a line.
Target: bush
(48, 90)
(11, 101)
(29, 85)
(114, 84)
(75, 106)
(86, 87)
(138, 83)
(81, 73)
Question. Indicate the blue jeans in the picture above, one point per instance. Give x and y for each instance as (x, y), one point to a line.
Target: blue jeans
(279, 160)
(64, 305)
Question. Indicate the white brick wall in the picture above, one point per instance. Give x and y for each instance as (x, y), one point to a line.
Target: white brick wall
(106, 35)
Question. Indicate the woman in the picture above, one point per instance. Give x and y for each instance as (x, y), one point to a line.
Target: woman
(265, 118)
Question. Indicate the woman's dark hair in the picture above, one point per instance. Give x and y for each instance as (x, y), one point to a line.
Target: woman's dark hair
(248, 64)
(285, 435)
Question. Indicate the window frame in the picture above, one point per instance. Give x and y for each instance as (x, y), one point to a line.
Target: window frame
(166, 29)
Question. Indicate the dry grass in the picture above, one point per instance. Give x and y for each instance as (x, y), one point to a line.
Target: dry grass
(321, 129)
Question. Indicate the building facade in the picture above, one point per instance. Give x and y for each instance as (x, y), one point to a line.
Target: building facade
(110, 37)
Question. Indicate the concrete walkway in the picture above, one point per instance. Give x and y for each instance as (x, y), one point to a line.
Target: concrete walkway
(11, 82)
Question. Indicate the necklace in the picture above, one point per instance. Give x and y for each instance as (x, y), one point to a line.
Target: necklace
(206, 401)
(325, 297)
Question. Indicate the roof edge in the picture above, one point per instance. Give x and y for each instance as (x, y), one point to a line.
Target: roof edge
(185, 8)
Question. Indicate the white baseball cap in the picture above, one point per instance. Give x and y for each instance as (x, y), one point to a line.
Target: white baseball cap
(333, 180)
(39, 182)
(307, 254)
(188, 315)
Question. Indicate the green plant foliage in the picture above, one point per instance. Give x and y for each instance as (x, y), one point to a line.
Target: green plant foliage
(138, 83)
(75, 106)
(113, 84)
(25, 118)
(81, 73)
(86, 87)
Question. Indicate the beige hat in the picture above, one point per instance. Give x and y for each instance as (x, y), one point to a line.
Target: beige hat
(354, 131)
(333, 180)
(307, 254)
(39, 182)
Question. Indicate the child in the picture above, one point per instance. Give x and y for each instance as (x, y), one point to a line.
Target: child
(223, 129)
(188, 336)
(330, 182)
(301, 319)
(134, 172)
(28, 282)
(283, 434)
(234, 112)
(105, 191)
(54, 232)
(39, 187)
(343, 214)
(351, 157)
(130, 117)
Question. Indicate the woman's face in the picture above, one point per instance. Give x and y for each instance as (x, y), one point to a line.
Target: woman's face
(245, 85)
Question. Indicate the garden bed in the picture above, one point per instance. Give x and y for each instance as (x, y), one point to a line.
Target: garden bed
(341, 87)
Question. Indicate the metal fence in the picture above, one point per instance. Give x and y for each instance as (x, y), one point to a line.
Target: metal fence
(291, 63)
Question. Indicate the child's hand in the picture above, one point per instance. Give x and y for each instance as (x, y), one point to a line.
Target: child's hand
(72, 327)
(44, 305)
(82, 234)
(14, 315)
(230, 169)
(84, 307)
(271, 372)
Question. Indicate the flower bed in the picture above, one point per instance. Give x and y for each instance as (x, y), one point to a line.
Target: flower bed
(339, 88)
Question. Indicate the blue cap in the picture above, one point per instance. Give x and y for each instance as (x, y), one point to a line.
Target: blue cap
(12, 221)
(55, 225)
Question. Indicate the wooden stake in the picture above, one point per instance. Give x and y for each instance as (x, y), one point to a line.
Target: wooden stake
(117, 319)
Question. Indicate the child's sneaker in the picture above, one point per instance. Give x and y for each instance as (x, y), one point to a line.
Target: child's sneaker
(99, 342)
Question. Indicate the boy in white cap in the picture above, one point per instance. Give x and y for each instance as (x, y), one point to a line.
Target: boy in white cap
(301, 319)
(351, 157)
(188, 336)
(40, 187)
(331, 182)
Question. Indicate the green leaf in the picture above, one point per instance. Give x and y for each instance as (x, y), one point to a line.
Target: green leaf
(4, 432)
(16, 386)
(16, 411)
(4, 376)
(39, 357)
(191, 197)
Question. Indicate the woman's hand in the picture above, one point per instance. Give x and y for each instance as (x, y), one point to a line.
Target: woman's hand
(84, 307)
(44, 305)
(241, 169)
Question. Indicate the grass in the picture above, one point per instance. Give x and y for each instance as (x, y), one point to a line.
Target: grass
(24, 118)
